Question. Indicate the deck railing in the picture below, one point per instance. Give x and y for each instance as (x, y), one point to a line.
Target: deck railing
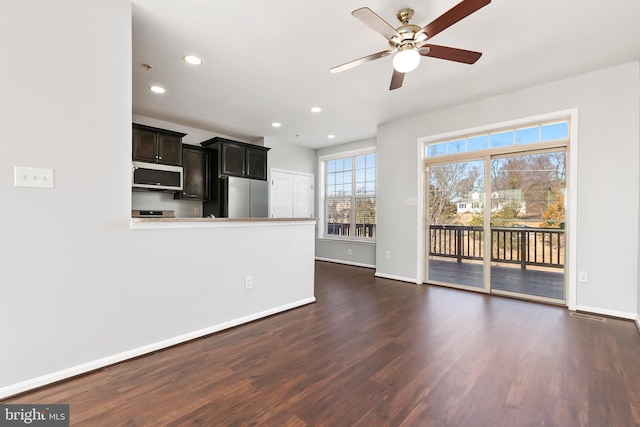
(341, 229)
(525, 246)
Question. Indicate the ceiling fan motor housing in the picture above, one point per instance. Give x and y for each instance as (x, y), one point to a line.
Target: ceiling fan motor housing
(410, 33)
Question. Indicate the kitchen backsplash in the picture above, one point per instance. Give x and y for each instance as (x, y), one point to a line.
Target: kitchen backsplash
(156, 200)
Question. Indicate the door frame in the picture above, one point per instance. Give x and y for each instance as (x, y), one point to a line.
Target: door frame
(571, 197)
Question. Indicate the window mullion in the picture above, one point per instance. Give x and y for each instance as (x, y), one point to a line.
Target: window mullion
(353, 196)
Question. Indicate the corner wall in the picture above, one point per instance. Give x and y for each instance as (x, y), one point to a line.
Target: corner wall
(608, 181)
(638, 290)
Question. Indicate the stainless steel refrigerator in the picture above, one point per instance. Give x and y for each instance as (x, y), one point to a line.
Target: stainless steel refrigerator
(238, 198)
(247, 198)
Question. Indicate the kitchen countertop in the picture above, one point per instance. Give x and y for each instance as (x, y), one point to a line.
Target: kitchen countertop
(156, 223)
(218, 219)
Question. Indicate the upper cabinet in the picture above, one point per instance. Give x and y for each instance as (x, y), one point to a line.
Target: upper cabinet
(239, 158)
(157, 145)
(195, 161)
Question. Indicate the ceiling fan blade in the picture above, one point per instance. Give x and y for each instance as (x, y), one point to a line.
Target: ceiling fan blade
(450, 53)
(359, 61)
(453, 15)
(378, 24)
(396, 80)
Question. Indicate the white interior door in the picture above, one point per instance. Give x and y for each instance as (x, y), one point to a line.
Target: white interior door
(291, 195)
(281, 199)
(303, 196)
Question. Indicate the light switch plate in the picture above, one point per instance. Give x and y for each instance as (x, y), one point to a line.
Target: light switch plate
(412, 201)
(32, 177)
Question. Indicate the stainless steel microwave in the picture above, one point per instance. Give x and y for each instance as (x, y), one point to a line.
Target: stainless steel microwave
(153, 176)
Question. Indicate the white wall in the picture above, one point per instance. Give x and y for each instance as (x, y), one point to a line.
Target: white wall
(327, 249)
(79, 287)
(290, 157)
(608, 181)
(638, 265)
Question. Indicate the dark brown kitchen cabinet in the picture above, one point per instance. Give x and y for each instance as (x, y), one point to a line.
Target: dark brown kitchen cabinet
(256, 160)
(156, 145)
(196, 173)
(239, 159)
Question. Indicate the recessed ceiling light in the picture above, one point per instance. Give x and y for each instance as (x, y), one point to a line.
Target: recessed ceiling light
(192, 59)
(331, 136)
(156, 89)
(276, 124)
(316, 109)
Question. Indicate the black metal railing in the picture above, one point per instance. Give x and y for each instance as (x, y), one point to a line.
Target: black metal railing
(361, 230)
(525, 246)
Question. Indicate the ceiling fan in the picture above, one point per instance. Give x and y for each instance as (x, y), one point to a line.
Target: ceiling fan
(409, 42)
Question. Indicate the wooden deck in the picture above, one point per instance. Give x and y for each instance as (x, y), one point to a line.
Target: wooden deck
(548, 284)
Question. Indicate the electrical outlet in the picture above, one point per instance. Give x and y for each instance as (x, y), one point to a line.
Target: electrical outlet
(248, 282)
(196, 211)
(583, 276)
(32, 177)
(349, 251)
(388, 255)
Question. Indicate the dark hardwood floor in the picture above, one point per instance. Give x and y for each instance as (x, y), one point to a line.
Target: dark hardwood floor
(376, 352)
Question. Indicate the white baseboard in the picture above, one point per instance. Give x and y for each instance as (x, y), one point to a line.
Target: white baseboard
(613, 313)
(341, 261)
(638, 324)
(24, 386)
(400, 278)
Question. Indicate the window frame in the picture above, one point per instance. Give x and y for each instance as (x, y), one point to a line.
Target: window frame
(322, 221)
(432, 146)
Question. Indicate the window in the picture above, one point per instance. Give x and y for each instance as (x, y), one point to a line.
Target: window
(350, 196)
(542, 132)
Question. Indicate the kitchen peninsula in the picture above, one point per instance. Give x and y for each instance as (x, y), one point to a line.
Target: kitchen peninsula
(157, 223)
(218, 272)
(231, 270)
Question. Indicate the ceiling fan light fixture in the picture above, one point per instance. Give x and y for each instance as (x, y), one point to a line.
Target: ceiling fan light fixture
(406, 60)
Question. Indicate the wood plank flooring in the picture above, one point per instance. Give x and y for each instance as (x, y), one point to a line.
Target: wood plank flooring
(376, 352)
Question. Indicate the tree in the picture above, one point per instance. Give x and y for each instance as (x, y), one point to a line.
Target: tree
(539, 177)
(506, 215)
(442, 189)
(555, 213)
(447, 183)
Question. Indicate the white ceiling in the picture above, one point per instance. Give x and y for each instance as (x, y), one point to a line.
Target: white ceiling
(267, 61)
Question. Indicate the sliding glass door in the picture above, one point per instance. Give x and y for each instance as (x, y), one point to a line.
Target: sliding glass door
(527, 224)
(456, 193)
(507, 237)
